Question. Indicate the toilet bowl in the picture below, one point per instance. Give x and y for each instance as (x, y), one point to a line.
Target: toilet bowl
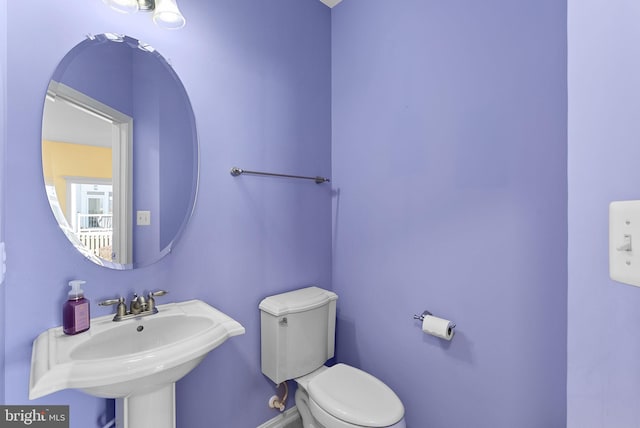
(345, 397)
(297, 336)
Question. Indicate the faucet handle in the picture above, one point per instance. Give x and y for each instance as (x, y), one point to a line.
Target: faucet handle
(121, 310)
(151, 302)
(110, 302)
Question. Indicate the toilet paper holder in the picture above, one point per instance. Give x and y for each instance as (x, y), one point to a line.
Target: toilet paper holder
(427, 313)
(421, 317)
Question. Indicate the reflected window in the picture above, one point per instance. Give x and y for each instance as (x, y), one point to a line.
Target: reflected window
(92, 216)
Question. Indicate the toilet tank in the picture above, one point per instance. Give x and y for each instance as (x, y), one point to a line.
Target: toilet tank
(297, 331)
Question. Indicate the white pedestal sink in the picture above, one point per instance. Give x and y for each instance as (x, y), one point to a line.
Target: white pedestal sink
(135, 361)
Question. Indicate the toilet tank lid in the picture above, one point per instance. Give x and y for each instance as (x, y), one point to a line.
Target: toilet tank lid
(300, 300)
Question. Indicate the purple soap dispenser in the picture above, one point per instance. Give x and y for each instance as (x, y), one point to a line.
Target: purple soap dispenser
(75, 312)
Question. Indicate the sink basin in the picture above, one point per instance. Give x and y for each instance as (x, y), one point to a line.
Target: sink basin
(130, 358)
(144, 336)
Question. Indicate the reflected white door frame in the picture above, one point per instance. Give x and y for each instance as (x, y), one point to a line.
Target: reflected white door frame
(122, 151)
(122, 163)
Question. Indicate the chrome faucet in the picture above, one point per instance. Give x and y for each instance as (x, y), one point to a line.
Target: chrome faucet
(138, 307)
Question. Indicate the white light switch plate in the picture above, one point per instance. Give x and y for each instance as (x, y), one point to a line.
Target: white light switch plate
(624, 242)
(143, 218)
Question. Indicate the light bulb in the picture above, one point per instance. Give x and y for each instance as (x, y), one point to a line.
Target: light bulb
(167, 15)
(124, 6)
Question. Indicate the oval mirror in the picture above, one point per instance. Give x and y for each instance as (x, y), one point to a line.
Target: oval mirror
(119, 151)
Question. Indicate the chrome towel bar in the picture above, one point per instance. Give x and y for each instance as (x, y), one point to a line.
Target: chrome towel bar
(235, 171)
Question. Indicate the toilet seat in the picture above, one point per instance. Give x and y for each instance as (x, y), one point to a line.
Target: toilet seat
(353, 396)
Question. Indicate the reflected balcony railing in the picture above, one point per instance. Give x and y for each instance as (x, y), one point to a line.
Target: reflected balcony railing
(95, 232)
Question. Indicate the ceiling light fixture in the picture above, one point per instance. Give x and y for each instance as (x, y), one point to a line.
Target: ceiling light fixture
(165, 12)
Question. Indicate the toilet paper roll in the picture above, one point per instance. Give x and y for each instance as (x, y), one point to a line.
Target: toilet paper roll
(438, 327)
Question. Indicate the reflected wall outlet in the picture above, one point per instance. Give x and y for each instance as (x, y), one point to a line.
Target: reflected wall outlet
(143, 218)
(624, 242)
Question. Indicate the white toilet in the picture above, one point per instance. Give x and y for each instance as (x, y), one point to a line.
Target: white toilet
(298, 337)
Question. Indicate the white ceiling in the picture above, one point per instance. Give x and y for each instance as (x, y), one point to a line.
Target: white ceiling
(331, 3)
(87, 128)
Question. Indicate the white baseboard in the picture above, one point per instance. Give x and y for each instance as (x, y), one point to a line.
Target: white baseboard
(290, 417)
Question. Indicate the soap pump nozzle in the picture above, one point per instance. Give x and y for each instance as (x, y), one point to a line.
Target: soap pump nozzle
(76, 292)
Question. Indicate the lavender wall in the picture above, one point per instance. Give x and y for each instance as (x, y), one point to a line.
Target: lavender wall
(146, 173)
(176, 196)
(449, 166)
(3, 87)
(258, 74)
(102, 70)
(603, 386)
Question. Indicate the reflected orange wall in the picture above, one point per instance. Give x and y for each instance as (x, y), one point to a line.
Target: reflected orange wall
(61, 160)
